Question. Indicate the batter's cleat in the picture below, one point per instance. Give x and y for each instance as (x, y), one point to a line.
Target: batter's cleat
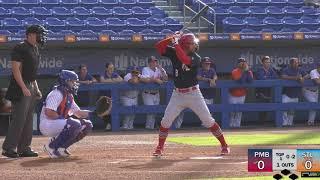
(158, 152)
(63, 152)
(51, 152)
(225, 150)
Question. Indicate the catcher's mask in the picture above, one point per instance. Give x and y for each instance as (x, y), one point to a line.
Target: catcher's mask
(41, 33)
(69, 80)
(186, 39)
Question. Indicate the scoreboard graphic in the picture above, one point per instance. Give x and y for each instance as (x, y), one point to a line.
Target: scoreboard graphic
(306, 161)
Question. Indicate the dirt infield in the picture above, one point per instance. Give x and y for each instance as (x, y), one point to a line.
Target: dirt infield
(128, 156)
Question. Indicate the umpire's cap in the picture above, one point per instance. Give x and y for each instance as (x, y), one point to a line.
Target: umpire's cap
(38, 29)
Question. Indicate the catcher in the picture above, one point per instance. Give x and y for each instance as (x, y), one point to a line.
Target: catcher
(56, 119)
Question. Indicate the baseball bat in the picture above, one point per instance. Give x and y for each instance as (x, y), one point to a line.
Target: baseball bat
(195, 17)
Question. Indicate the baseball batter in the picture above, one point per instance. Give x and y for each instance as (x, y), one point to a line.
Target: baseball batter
(55, 120)
(186, 93)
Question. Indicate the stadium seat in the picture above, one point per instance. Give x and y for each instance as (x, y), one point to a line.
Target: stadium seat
(147, 32)
(157, 11)
(286, 30)
(62, 12)
(254, 23)
(66, 32)
(246, 30)
(31, 20)
(52, 34)
(127, 32)
(29, 3)
(166, 31)
(96, 24)
(116, 24)
(257, 11)
(4, 12)
(108, 32)
(69, 3)
(309, 11)
(75, 24)
(145, 3)
(5, 33)
(140, 12)
(275, 12)
(292, 12)
(172, 24)
(41, 12)
(136, 24)
(212, 3)
(291, 23)
(127, 3)
(109, 3)
(225, 3)
(232, 24)
(318, 30)
(54, 24)
(89, 3)
(20, 12)
(273, 23)
(49, 3)
(278, 3)
(304, 30)
(101, 12)
(87, 33)
(296, 3)
(21, 33)
(310, 23)
(122, 13)
(9, 3)
(81, 12)
(155, 24)
(221, 13)
(263, 3)
(243, 3)
(12, 24)
(238, 12)
(267, 30)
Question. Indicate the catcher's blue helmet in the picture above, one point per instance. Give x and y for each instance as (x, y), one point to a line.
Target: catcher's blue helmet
(65, 76)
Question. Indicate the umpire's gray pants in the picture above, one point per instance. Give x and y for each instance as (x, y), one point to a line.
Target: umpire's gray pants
(21, 126)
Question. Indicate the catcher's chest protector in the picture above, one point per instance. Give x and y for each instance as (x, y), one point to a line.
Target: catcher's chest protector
(65, 104)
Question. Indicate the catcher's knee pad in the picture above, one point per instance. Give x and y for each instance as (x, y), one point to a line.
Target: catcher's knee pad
(86, 125)
(73, 125)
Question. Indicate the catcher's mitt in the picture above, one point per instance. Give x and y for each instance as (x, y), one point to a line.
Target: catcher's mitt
(103, 106)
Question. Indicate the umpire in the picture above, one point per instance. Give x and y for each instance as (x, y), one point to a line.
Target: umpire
(23, 91)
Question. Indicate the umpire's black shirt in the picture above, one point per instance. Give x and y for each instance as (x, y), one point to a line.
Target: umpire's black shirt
(183, 76)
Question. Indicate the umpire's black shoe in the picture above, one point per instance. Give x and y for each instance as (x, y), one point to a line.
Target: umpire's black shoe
(28, 153)
(10, 154)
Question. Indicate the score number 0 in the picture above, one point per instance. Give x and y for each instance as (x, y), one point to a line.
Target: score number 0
(260, 164)
(308, 163)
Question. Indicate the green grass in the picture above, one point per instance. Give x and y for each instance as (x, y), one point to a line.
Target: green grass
(254, 139)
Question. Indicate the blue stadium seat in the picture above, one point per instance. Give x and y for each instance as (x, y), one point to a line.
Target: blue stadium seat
(225, 3)
(212, 3)
(140, 12)
(101, 12)
(52, 34)
(262, 3)
(89, 3)
(21, 33)
(246, 30)
(122, 13)
(238, 12)
(254, 23)
(243, 3)
(49, 3)
(292, 12)
(20, 12)
(4, 12)
(75, 24)
(29, 3)
(221, 13)
(318, 30)
(116, 24)
(136, 24)
(109, 3)
(310, 23)
(147, 32)
(296, 3)
(81, 12)
(157, 11)
(273, 23)
(69, 3)
(166, 31)
(62, 12)
(127, 32)
(305, 30)
(145, 3)
(172, 24)
(267, 30)
(108, 32)
(41, 12)
(275, 12)
(279, 3)
(87, 33)
(232, 24)
(31, 20)
(155, 24)
(309, 11)
(66, 32)
(12, 24)
(291, 23)
(96, 24)
(257, 11)
(5, 33)
(55, 24)
(127, 3)
(9, 3)
(287, 30)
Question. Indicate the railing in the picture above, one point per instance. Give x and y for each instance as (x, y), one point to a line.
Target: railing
(225, 108)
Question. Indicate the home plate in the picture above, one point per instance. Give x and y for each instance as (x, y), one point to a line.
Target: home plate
(207, 157)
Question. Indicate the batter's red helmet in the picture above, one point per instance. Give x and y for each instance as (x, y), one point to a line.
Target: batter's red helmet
(186, 39)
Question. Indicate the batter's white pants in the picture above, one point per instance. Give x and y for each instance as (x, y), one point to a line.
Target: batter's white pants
(193, 100)
(150, 99)
(288, 116)
(311, 96)
(235, 117)
(127, 122)
(209, 101)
